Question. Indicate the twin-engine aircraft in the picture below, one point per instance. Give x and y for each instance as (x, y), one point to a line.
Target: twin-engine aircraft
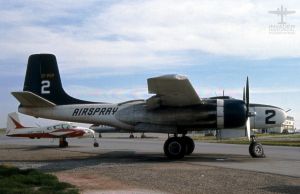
(62, 131)
(175, 108)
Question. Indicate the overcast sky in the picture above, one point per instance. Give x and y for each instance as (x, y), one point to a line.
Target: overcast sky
(107, 49)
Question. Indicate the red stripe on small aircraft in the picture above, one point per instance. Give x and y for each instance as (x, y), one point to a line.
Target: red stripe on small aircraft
(36, 135)
(47, 135)
(17, 124)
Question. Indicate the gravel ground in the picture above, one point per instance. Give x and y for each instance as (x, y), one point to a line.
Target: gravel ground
(178, 178)
(130, 172)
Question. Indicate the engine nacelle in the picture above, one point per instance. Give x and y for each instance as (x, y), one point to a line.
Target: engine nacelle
(231, 113)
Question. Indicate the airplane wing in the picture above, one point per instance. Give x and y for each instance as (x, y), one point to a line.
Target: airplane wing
(274, 12)
(29, 99)
(171, 90)
(289, 12)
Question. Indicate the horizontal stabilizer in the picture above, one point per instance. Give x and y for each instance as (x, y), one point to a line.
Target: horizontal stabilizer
(29, 99)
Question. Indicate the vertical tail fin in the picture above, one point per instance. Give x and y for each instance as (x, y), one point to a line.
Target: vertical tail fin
(13, 122)
(43, 79)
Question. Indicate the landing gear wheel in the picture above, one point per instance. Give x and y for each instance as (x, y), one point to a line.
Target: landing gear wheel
(143, 135)
(96, 144)
(100, 136)
(63, 143)
(190, 145)
(131, 136)
(174, 148)
(256, 150)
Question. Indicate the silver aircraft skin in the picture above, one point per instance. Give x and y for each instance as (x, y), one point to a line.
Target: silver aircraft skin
(175, 108)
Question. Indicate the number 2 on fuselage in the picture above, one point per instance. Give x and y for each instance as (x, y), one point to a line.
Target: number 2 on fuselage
(270, 114)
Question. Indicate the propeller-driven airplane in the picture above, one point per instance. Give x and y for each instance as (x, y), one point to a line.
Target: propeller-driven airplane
(282, 12)
(175, 108)
(61, 131)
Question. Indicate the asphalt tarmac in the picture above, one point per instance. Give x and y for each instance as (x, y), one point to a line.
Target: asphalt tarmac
(139, 165)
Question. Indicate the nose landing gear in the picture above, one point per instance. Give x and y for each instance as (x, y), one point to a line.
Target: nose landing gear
(96, 144)
(256, 149)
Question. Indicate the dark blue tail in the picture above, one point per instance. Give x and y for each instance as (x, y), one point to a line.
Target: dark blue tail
(43, 79)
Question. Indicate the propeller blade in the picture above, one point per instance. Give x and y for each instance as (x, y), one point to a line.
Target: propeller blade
(248, 128)
(247, 95)
(247, 102)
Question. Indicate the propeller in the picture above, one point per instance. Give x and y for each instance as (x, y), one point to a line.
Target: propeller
(247, 96)
(247, 102)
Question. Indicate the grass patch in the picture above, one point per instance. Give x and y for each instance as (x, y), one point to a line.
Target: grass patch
(204, 138)
(274, 143)
(2, 131)
(287, 136)
(30, 181)
(277, 140)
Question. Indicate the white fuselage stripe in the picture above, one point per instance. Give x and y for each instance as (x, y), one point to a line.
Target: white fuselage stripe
(84, 113)
(220, 113)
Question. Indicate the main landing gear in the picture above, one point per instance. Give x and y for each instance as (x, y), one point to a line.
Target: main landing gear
(177, 147)
(256, 149)
(143, 135)
(131, 136)
(63, 143)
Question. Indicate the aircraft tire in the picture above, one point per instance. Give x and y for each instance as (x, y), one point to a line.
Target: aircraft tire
(174, 148)
(131, 136)
(256, 150)
(190, 145)
(63, 144)
(96, 144)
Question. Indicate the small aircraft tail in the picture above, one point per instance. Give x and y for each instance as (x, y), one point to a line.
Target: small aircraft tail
(13, 122)
(43, 79)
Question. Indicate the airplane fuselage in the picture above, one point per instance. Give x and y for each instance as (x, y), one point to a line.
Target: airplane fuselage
(212, 114)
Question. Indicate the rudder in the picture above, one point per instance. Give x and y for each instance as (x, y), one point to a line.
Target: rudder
(13, 122)
(43, 79)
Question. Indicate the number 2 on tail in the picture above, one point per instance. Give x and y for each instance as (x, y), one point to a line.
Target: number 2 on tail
(45, 87)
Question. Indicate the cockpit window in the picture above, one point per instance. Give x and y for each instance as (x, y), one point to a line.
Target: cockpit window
(65, 126)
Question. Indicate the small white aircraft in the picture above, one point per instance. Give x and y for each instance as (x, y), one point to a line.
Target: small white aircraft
(61, 131)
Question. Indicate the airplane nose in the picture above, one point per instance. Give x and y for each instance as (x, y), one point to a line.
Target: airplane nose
(281, 115)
